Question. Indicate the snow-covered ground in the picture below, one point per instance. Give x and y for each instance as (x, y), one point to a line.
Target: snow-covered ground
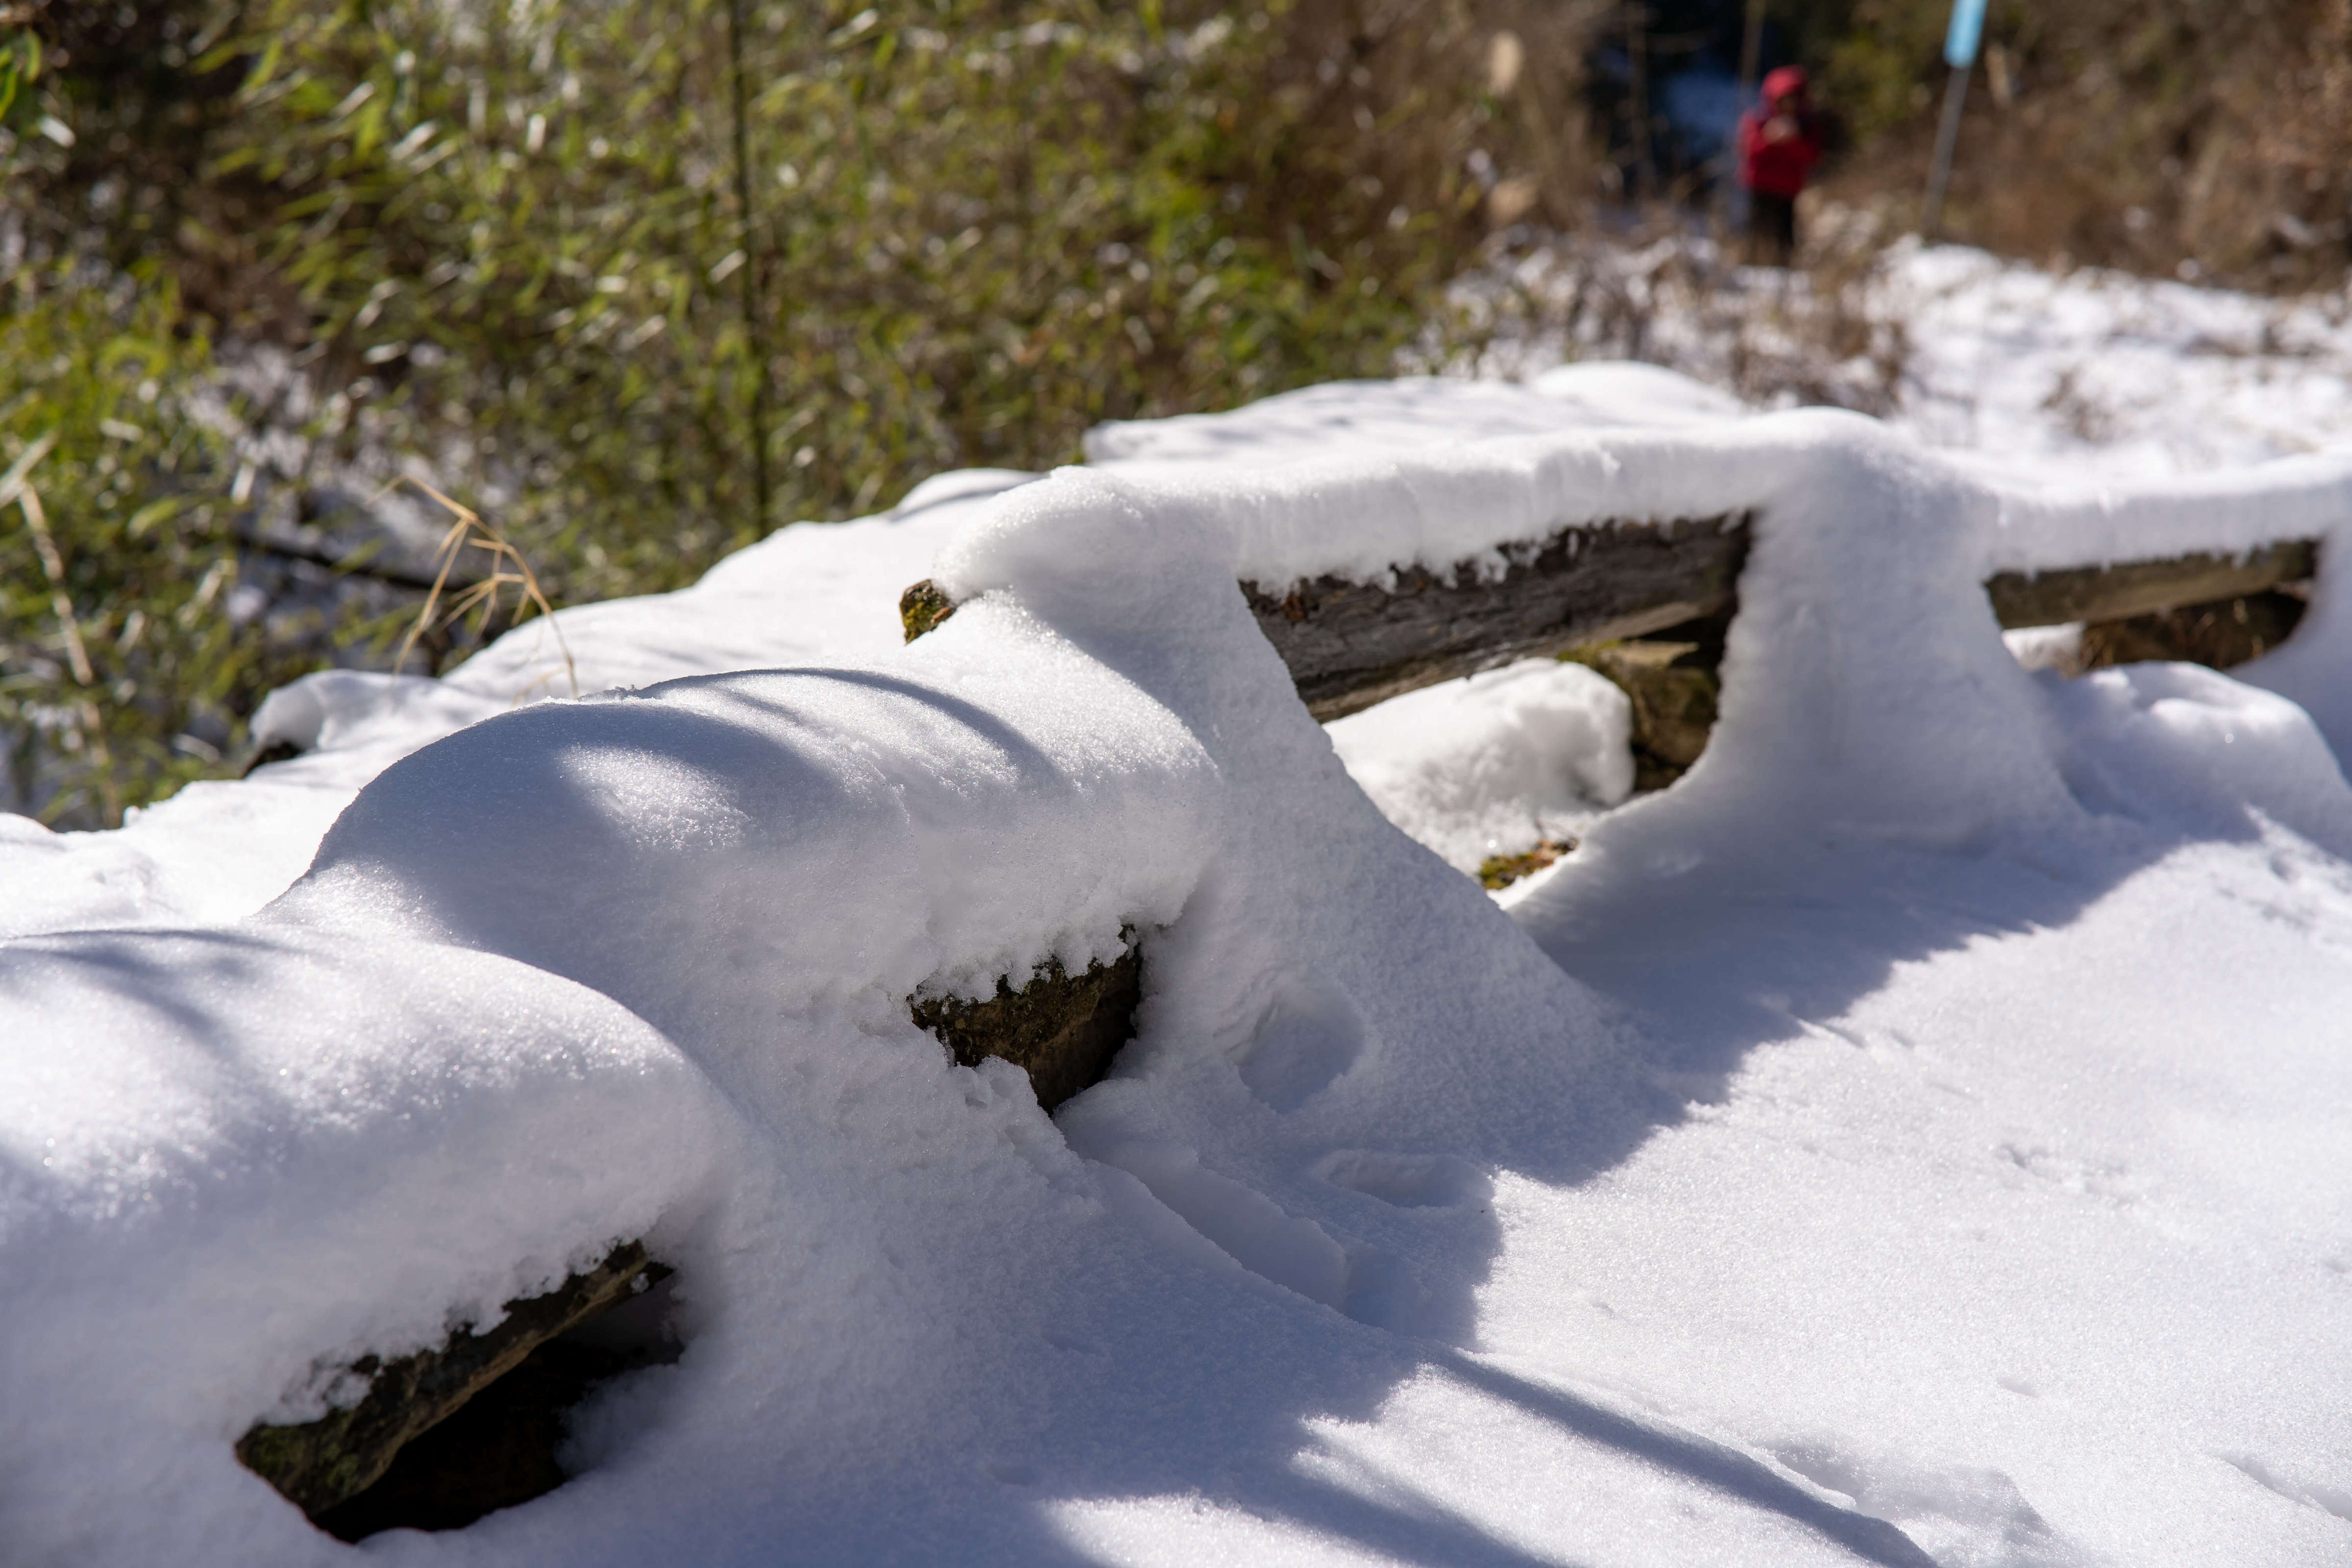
(2086, 373)
(2099, 372)
(1922, 1134)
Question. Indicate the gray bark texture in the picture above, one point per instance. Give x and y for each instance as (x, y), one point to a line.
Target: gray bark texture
(2123, 590)
(1351, 645)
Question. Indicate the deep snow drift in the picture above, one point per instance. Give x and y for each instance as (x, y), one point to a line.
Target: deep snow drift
(1919, 1135)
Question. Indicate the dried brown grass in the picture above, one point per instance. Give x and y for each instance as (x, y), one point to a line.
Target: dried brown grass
(2188, 138)
(479, 597)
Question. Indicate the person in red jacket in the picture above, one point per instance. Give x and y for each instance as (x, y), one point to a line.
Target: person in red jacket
(1779, 143)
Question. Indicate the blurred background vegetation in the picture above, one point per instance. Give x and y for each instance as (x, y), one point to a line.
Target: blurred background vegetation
(643, 282)
(2199, 139)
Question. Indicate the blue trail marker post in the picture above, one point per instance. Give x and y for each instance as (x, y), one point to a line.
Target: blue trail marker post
(1960, 42)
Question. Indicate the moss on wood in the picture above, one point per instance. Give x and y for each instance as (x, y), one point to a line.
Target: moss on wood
(1675, 688)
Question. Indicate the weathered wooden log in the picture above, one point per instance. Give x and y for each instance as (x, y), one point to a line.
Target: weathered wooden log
(1062, 1030)
(2122, 590)
(1602, 594)
(1351, 645)
(321, 1464)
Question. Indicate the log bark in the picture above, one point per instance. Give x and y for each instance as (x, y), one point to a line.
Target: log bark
(2222, 635)
(2123, 590)
(1351, 645)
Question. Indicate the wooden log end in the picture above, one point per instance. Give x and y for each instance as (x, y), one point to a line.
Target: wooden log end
(923, 608)
(1060, 1028)
(320, 1465)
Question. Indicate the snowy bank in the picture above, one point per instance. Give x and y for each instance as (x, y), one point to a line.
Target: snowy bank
(1860, 1150)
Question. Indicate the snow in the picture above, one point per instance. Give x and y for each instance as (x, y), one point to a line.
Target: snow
(2015, 368)
(1919, 1135)
(1419, 411)
(2092, 371)
(1491, 765)
(215, 851)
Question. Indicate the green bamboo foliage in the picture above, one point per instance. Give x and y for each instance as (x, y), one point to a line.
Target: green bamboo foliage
(642, 283)
(125, 655)
(539, 233)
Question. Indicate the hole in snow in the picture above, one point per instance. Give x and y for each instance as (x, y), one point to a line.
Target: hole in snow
(1307, 1038)
(1498, 773)
(1674, 681)
(1408, 1181)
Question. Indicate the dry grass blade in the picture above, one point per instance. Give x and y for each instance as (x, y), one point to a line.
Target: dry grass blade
(16, 486)
(16, 477)
(479, 597)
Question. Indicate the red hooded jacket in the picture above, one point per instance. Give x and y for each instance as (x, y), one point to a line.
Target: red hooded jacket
(1779, 168)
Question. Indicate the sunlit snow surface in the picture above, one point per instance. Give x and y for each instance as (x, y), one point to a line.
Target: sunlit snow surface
(1493, 764)
(2096, 371)
(1923, 1134)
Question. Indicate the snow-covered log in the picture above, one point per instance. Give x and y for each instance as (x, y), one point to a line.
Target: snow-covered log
(1348, 645)
(1350, 641)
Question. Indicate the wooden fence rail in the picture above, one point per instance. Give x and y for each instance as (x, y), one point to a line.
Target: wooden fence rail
(1348, 645)
(2129, 588)
(1645, 602)
(1351, 645)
